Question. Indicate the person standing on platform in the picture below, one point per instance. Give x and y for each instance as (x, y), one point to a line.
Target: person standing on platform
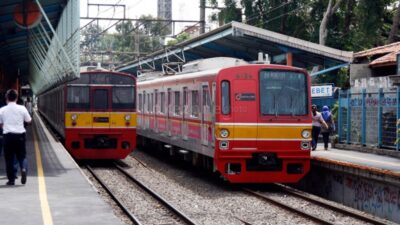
(28, 105)
(317, 123)
(328, 118)
(12, 119)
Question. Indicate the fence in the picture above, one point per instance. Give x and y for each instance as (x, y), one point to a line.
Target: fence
(368, 117)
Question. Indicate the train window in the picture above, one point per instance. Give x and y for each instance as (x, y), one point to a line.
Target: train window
(123, 98)
(225, 97)
(100, 78)
(84, 79)
(140, 102)
(206, 96)
(195, 104)
(120, 79)
(148, 103)
(100, 99)
(152, 102)
(177, 103)
(78, 97)
(162, 107)
(283, 93)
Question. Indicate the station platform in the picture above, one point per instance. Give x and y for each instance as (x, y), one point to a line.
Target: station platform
(56, 191)
(369, 165)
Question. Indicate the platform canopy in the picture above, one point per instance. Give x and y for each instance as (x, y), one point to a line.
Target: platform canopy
(42, 52)
(245, 42)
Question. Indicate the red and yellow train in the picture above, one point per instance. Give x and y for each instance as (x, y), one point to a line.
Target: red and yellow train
(249, 122)
(95, 114)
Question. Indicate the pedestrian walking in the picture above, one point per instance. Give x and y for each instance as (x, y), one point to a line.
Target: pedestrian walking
(12, 119)
(328, 118)
(317, 123)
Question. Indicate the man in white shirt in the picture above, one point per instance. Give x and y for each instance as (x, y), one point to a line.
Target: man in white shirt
(12, 119)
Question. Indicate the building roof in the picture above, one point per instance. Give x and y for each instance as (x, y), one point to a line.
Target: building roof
(386, 55)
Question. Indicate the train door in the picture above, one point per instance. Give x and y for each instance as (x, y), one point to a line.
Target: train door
(205, 114)
(169, 112)
(185, 114)
(213, 111)
(244, 109)
(101, 101)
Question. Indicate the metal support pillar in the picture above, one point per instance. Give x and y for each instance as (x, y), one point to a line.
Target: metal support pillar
(348, 116)
(363, 119)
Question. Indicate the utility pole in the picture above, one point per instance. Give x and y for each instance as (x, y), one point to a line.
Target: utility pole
(202, 16)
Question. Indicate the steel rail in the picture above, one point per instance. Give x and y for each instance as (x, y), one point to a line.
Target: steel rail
(116, 200)
(156, 196)
(327, 205)
(288, 207)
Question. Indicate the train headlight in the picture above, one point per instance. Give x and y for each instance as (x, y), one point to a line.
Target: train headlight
(127, 117)
(306, 134)
(74, 117)
(224, 133)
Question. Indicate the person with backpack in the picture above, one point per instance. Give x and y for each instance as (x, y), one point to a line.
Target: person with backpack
(325, 131)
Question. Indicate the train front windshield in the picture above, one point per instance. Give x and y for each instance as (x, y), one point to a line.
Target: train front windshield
(283, 93)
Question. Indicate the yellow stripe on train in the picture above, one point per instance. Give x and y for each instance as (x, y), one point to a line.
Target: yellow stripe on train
(100, 119)
(263, 132)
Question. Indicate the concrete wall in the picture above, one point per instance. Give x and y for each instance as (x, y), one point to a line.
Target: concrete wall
(362, 192)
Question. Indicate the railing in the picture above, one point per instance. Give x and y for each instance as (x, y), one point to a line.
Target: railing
(369, 117)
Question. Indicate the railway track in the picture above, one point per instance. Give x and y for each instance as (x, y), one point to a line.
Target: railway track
(171, 211)
(308, 198)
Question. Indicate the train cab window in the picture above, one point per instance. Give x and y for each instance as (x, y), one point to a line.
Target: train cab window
(78, 97)
(283, 93)
(162, 102)
(195, 104)
(225, 97)
(123, 97)
(100, 99)
(177, 99)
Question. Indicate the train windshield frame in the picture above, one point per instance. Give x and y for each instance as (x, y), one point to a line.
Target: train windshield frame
(283, 93)
(122, 91)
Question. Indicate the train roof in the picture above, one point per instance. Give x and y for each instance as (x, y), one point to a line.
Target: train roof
(159, 77)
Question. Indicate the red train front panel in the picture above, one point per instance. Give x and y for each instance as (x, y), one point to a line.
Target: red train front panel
(100, 116)
(263, 127)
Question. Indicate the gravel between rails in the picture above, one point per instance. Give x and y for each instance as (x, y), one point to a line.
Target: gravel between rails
(204, 199)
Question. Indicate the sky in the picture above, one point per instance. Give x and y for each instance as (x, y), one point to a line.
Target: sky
(181, 10)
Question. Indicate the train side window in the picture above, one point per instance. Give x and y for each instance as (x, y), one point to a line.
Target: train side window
(177, 103)
(195, 104)
(152, 103)
(162, 102)
(148, 103)
(185, 100)
(225, 97)
(78, 97)
(140, 102)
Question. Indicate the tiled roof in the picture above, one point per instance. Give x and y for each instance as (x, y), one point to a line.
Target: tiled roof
(388, 53)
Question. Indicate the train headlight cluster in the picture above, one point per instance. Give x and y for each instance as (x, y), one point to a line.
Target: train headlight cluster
(127, 117)
(306, 134)
(73, 118)
(224, 133)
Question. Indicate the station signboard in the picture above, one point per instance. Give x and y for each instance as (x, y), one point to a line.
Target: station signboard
(322, 91)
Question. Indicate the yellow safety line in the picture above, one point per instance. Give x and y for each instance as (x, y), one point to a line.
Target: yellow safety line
(44, 203)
